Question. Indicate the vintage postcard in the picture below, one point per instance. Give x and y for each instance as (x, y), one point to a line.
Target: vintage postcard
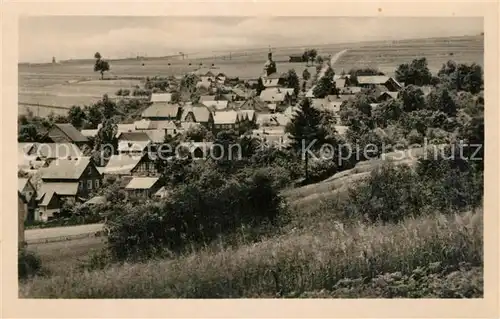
(250, 159)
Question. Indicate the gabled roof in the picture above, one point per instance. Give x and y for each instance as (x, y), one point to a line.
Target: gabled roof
(204, 98)
(156, 136)
(246, 114)
(200, 112)
(89, 133)
(218, 105)
(161, 97)
(121, 164)
(254, 103)
(25, 148)
(163, 125)
(393, 95)
(21, 183)
(71, 132)
(132, 146)
(225, 117)
(56, 150)
(142, 182)
(270, 82)
(62, 189)
(143, 124)
(66, 169)
(372, 79)
(133, 136)
(161, 109)
(273, 95)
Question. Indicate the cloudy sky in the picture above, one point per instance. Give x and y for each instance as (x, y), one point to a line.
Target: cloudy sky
(40, 38)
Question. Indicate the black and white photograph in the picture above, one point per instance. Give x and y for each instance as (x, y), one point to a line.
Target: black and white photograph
(218, 157)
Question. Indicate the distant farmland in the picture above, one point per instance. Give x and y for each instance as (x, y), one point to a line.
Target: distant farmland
(75, 83)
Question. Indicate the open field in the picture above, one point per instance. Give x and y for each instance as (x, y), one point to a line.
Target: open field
(75, 83)
(54, 233)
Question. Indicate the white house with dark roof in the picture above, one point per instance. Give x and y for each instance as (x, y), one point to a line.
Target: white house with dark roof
(26, 188)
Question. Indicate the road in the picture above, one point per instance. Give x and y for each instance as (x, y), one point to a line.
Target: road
(38, 235)
(333, 60)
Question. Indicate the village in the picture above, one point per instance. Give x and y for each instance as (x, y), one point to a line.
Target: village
(68, 173)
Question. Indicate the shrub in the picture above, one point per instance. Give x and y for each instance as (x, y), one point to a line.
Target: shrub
(389, 194)
(195, 213)
(28, 264)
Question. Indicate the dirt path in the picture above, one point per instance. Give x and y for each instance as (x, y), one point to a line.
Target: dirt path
(333, 60)
(60, 233)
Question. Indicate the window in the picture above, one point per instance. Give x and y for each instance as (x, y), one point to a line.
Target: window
(89, 184)
(96, 183)
(80, 185)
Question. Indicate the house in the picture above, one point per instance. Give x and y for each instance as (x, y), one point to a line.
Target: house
(196, 150)
(240, 94)
(22, 208)
(161, 111)
(26, 154)
(291, 111)
(296, 58)
(133, 142)
(341, 129)
(371, 80)
(226, 120)
(273, 80)
(198, 114)
(146, 166)
(247, 116)
(42, 154)
(254, 103)
(71, 177)
(143, 186)
(221, 78)
(121, 164)
(276, 96)
(384, 96)
(26, 188)
(67, 133)
(161, 97)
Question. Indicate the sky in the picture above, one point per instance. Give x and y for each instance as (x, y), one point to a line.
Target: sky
(76, 37)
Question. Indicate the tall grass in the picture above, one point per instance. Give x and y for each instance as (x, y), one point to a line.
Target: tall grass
(292, 263)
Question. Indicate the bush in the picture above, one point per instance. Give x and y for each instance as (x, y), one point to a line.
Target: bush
(194, 214)
(389, 195)
(28, 264)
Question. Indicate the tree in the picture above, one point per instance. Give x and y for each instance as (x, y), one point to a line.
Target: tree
(260, 86)
(94, 116)
(28, 133)
(441, 100)
(306, 131)
(100, 65)
(413, 98)
(462, 77)
(416, 73)
(306, 75)
(292, 81)
(325, 84)
(76, 116)
(105, 142)
(319, 59)
(176, 97)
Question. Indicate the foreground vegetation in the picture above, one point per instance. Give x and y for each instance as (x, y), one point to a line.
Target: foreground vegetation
(394, 260)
